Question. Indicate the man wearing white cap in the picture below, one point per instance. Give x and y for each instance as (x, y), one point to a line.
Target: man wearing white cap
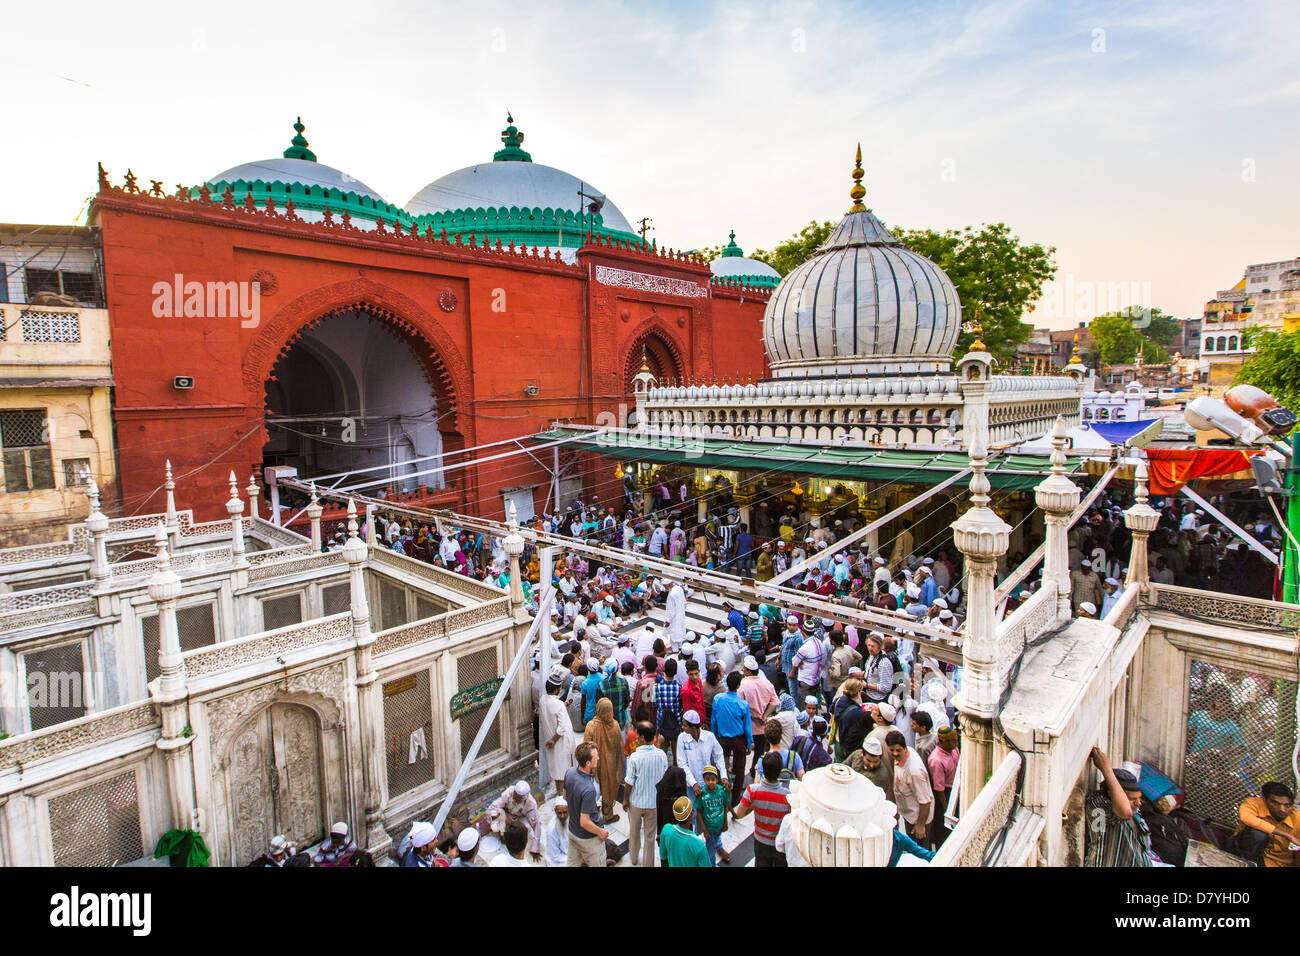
(1087, 609)
(675, 611)
(935, 694)
(422, 839)
(555, 730)
(1085, 585)
(467, 846)
(875, 764)
(1110, 597)
(280, 853)
(915, 606)
(338, 849)
(517, 805)
(698, 748)
(556, 838)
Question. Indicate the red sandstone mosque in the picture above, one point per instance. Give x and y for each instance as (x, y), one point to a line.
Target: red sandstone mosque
(502, 297)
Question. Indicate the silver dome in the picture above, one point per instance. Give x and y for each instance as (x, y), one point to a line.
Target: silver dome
(863, 303)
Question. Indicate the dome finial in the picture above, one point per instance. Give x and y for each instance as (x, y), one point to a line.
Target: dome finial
(978, 345)
(513, 140)
(298, 147)
(731, 250)
(858, 190)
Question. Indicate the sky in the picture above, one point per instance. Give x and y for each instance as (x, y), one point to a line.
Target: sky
(1154, 144)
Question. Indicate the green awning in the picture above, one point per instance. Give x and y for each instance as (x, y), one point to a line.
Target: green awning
(1009, 472)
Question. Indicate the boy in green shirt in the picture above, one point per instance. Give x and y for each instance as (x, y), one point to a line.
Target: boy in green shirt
(712, 804)
(678, 846)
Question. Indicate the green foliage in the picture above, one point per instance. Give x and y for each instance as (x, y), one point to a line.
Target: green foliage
(991, 268)
(1151, 330)
(1275, 366)
(708, 253)
(797, 249)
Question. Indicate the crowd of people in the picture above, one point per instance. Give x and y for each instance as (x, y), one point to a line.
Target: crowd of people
(688, 730)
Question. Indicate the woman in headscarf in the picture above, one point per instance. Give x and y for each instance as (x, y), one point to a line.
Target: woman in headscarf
(603, 731)
(672, 786)
(789, 719)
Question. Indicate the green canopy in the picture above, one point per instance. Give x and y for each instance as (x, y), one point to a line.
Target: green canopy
(1009, 472)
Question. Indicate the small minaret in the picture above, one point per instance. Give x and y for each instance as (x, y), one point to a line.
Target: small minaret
(314, 510)
(1141, 519)
(514, 546)
(1058, 496)
(235, 508)
(982, 537)
(173, 523)
(253, 490)
(97, 523)
(172, 695)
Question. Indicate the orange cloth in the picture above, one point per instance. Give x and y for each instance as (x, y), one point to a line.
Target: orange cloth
(1254, 813)
(1171, 468)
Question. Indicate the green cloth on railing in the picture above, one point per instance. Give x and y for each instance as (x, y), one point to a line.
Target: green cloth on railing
(185, 847)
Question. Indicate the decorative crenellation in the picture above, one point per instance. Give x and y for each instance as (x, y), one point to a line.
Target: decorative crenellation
(272, 205)
(76, 734)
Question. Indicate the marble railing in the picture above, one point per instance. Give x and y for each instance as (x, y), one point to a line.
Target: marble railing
(256, 647)
(77, 734)
(470, 587)
(1229, 609)
(43, 597)
(980, 821)
(441, 625)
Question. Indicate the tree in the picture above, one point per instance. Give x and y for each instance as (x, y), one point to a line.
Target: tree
(1275, 366)
(994, 272)
(708, 253)
(797, 249)
(1115, 339)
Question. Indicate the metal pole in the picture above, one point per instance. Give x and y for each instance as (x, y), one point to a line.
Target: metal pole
(543, 614)
(1291, 568)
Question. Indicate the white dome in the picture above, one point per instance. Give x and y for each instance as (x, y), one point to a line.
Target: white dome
(499, 185)
(742, 266)
(862, 302)
(296, 171)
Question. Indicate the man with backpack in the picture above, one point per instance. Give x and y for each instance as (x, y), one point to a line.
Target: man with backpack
(668, 707)
(808, 744)
(791, 764)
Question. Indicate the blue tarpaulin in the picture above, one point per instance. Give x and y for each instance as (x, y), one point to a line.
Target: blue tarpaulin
(1136, 433)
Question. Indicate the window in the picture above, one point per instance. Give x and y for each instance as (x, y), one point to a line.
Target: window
(81, 286)
(56, 689)
(280, 612)
(196, 626)
(25, 446)
(76, 472)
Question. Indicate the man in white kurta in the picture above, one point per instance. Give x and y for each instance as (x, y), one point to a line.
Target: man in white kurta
(676, 613)
(555, 732)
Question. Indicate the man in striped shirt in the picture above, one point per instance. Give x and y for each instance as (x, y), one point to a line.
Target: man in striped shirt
(645, 768)
(770, 802)
(1117, 834)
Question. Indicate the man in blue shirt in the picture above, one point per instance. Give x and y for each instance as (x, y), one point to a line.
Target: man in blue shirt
(745, 552)
(734, 618)
(591, 690)
(732, 726)
(929, 590)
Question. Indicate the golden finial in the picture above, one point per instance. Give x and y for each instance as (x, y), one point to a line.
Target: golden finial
(978, 345)
(645, 362)
(858, 190)
(1074, 359)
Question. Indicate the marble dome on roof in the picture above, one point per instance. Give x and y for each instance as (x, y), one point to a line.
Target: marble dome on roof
(313, 186)
(517, 199)
(734, 266)
(862, 304)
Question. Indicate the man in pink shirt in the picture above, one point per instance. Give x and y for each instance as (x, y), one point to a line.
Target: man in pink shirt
(912, 792)
(758, 692)
(943, 774)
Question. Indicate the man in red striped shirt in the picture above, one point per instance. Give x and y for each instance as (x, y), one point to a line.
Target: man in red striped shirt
(769, 800)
